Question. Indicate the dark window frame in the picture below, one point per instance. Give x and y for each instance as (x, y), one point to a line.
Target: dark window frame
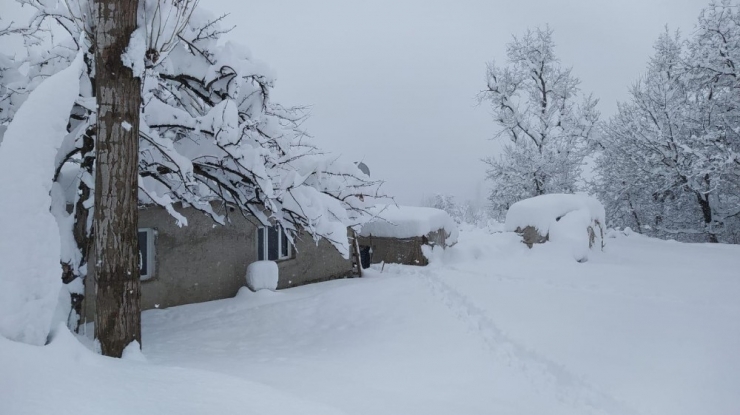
(273, 240)
(148, 256)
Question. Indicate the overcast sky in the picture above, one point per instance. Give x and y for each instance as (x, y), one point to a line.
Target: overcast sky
(393, 82)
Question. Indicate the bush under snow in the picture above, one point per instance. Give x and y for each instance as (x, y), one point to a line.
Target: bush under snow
(262, 275)
(572, 221)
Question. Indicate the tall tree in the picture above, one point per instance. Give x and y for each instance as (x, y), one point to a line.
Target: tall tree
(670, 163)
(538, 107)
(209, 132)
(118, 93)
(713, 70)
(642, 169)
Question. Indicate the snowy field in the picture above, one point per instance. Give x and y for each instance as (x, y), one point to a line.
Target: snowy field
(489, 327)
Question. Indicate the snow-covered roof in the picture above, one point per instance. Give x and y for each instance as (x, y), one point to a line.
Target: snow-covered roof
(542, 211)
(409, 221)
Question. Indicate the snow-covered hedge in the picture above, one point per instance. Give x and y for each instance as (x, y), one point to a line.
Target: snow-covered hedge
(566, 219)
(409, 221)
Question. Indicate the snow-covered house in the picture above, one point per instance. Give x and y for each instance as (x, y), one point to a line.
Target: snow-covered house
(398, 234)
(204, 261)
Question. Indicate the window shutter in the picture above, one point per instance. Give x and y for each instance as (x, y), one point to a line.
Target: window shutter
(284, 244)
(273, 239)
(143, 253)
(261, 244)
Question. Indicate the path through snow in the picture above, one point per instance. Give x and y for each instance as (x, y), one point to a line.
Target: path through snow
(544, 375)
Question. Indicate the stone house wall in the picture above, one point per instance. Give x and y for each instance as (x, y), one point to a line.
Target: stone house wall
(205, 261)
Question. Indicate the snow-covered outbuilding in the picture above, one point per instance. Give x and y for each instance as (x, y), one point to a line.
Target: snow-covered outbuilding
(398, 233)
(573, 219)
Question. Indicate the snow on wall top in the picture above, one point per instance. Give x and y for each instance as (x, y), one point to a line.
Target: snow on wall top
(542, 211)
(408, 222)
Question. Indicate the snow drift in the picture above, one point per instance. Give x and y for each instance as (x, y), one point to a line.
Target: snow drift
(66, 378)
(30, 274)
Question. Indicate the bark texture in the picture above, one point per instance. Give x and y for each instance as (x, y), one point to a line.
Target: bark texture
(116, 270)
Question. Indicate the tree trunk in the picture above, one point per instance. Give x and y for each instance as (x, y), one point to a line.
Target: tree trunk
(706, 211)
(538, 185)
(634, 212)
(118, 289)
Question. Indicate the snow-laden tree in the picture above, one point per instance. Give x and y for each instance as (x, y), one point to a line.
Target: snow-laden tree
(461, 212)
(538, 107)
(443, 202)
(14, 83)
(714, 75)
(669, 164)
(210, 135)
(641, 137)
(9, 78)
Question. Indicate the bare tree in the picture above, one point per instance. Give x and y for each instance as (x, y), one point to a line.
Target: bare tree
(118, 92)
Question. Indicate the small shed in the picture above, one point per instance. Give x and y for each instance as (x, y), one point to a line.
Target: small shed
(398, 233)
(574, 220)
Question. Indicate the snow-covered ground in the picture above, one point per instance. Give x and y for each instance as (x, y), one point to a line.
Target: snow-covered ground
(489, 327)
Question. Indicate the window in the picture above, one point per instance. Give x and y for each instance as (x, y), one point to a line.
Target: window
(146, 253)
(272, 244)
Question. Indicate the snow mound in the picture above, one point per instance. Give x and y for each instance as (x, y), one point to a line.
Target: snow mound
(66, 378)
(409, 221)
(30, 249)
(574, 223)
(571, 233)
(133, 352)
(262, 275)
(541, 212)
